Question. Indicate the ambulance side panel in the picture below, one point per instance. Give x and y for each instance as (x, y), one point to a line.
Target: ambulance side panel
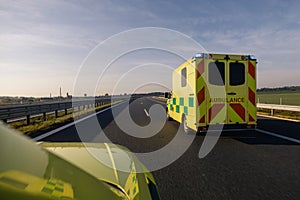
(174, 107)
(183, 101)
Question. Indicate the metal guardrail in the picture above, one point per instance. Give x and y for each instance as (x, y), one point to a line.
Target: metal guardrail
(273, 107)
(21, 111)
(279, 107)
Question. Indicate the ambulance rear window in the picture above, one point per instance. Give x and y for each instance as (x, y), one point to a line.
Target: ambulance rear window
(216, 73)
(236, 74)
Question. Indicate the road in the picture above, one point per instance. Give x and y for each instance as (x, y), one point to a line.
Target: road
(242, 165)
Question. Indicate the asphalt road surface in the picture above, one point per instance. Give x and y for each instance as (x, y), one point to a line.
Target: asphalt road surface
(242, 165)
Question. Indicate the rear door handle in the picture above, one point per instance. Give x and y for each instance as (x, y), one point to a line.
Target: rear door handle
(231, 93)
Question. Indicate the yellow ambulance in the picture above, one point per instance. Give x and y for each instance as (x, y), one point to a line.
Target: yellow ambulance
(214, 89)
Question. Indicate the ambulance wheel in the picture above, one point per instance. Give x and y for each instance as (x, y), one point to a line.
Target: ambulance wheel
(168, 116)
(185, 127)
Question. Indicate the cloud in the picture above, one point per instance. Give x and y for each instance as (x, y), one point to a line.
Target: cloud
(55, 36)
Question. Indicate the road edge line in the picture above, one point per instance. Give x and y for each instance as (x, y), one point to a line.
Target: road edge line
(73, 123)
(279, 136)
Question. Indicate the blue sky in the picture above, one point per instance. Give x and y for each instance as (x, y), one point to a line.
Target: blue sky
(44, 43)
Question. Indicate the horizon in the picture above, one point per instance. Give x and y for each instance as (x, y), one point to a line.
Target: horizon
(101, 95)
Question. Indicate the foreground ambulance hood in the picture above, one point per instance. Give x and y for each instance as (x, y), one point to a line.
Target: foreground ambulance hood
(69, 171)
(108, 162)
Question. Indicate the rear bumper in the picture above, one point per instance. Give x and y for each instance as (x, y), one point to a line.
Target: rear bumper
(227, 127)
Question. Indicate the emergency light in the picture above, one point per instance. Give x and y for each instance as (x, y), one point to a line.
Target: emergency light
(199, 55)
(250, 57)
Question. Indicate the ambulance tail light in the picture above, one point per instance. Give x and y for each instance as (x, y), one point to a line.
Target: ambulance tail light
(250, 126)
(202, 129)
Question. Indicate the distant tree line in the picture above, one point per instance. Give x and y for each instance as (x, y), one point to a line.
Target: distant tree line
(280, 89)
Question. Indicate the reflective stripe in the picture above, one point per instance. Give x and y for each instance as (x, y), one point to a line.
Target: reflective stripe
(239, 109)
(201, 96)
(251, 69)
(251, 96)
(251, 106)
(202, 120)
(214, 110)
(200, 68)
(251, 119)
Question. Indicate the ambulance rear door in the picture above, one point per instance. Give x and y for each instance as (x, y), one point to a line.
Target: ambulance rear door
(236, 90)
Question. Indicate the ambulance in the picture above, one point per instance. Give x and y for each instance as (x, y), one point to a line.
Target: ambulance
(209, 90)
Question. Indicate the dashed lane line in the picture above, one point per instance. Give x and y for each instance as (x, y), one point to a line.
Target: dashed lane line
(146, 112)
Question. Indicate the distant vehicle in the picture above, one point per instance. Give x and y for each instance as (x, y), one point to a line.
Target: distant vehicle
(211, 89)
(65, 171)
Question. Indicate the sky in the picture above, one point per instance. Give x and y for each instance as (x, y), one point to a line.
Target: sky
(45, 45)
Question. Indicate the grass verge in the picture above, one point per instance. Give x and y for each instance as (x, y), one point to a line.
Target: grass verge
(284, 98)
(280, 113)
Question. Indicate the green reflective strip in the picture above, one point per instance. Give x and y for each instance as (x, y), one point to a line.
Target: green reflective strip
(171, 107)
(185, 108)
(181, 101)
(53, 185)
(47, 190)
(191, 101)
(177, 109)
(181, 104)
(50, 182)
(59, 189)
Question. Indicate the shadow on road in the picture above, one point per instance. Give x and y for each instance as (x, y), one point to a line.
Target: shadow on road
(253, 137)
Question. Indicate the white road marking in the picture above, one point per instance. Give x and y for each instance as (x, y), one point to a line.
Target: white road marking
(261, 131)
(146, 112)
(279, 136)
(72, 123)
